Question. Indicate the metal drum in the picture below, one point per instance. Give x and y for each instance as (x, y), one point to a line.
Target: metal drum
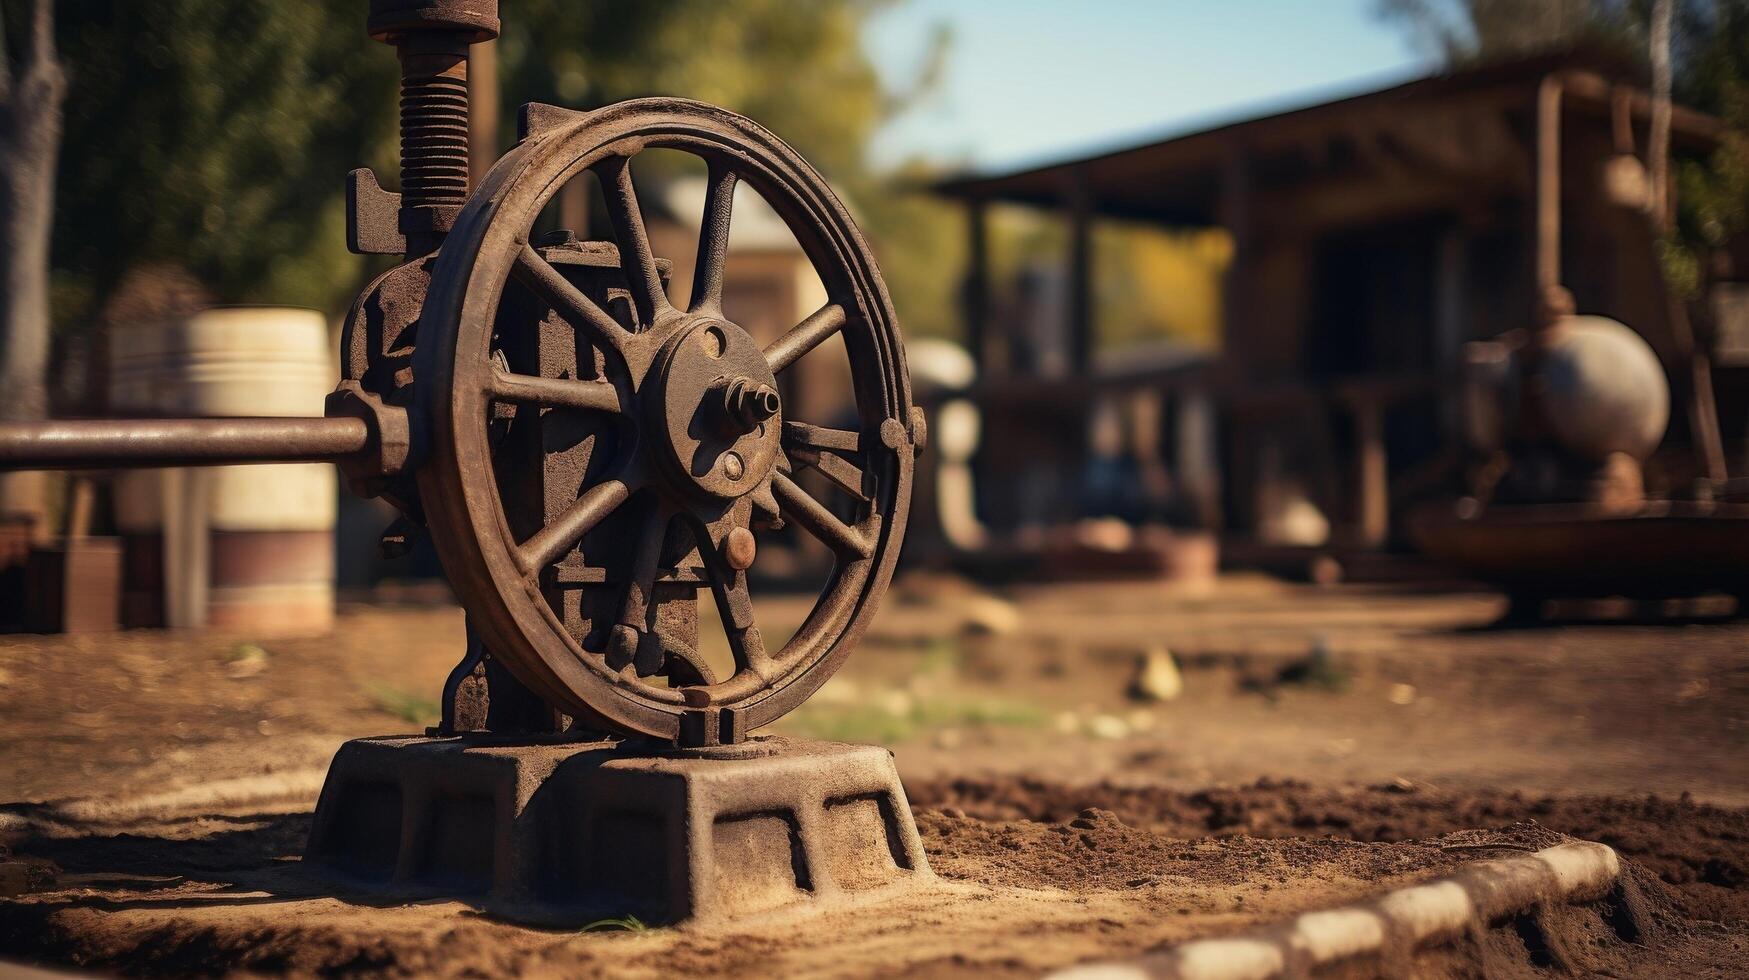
(243, 547)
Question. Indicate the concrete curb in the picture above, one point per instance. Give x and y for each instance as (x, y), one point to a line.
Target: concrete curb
(1421, 915)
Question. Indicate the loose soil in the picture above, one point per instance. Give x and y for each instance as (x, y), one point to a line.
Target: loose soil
(1328, 744)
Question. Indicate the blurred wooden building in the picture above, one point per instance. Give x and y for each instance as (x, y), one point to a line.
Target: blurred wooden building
(1371, 238)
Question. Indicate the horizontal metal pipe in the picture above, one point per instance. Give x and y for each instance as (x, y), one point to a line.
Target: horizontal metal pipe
(94, 444)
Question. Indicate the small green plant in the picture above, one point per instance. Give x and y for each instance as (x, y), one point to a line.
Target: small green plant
(625, 923)
(245, 660)
(1320, 669)
(413, 708)
(940, 656)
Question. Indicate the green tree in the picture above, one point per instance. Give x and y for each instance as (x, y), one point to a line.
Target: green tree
(1713, 75)
(796, 66)
(1461, 30)
(211, 136)
(1710, 64)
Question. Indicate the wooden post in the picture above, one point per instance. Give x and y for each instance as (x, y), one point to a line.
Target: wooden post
(1372, 490)
(187, 535)
(31, 95)
(482, 109)
(1196, 457)
(1548, 188)
(1080, 272)
(1658, 140)
(1244, 483)
(1235, 217)
(975, 290)
(1703, 410)
(1450, 319)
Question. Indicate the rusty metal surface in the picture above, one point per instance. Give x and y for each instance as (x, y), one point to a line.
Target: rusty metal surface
(432, 38)
(587, 456)
(560, 833)
(392, 20)
(679, 467)
(1665, 549)
(107, 443)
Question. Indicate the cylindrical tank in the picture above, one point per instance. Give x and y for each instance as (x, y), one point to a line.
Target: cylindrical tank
(243, 547)
(1603, 390)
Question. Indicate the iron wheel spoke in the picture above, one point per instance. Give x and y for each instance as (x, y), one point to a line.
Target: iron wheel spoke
(578, 309)
(550, 543)
(805, 336)
(635, 256)
(843, 539)
(816, 438)
(844, 474)
(633, 642)
(735, 607)
(556, 392)
(713, 241)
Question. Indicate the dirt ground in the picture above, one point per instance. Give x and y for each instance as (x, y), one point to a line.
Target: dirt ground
(1326, 743)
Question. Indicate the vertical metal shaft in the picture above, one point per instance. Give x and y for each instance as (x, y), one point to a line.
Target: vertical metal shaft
(432, 38)
(434, 125)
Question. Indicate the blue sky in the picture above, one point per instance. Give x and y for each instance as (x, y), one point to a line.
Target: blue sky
(1031, 79)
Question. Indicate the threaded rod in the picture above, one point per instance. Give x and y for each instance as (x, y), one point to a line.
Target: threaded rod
(434, 135)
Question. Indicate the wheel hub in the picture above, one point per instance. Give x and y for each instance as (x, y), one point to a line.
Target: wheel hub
(716, 417)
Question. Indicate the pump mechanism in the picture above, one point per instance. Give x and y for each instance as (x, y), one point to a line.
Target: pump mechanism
(589, 455)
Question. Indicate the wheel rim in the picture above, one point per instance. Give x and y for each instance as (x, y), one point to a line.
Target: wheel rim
(668, 471)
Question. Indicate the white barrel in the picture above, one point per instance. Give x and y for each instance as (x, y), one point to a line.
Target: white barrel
(249, 547)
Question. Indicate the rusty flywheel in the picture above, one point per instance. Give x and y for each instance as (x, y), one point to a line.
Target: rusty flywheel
(584, 429)
(587, 455)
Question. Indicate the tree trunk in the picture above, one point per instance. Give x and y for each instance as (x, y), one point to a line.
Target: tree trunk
(30, 140)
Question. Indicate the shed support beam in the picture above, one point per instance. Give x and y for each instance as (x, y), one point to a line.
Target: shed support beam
(1080, 325)
(1371, 474)
(1548, 189)
(975, 290)
(1236, 204)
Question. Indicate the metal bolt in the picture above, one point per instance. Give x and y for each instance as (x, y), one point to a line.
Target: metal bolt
(733, 465)
(739, 548)
(749, 403)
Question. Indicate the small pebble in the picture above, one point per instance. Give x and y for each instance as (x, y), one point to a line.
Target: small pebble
(1108, 727)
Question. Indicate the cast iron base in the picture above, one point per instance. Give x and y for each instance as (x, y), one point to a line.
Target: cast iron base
(564, 833)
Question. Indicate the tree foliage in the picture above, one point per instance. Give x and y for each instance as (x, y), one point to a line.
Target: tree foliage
(212, 135)
(796, 66)
(1462, 30)
(1710, 52)
(1713, 75)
